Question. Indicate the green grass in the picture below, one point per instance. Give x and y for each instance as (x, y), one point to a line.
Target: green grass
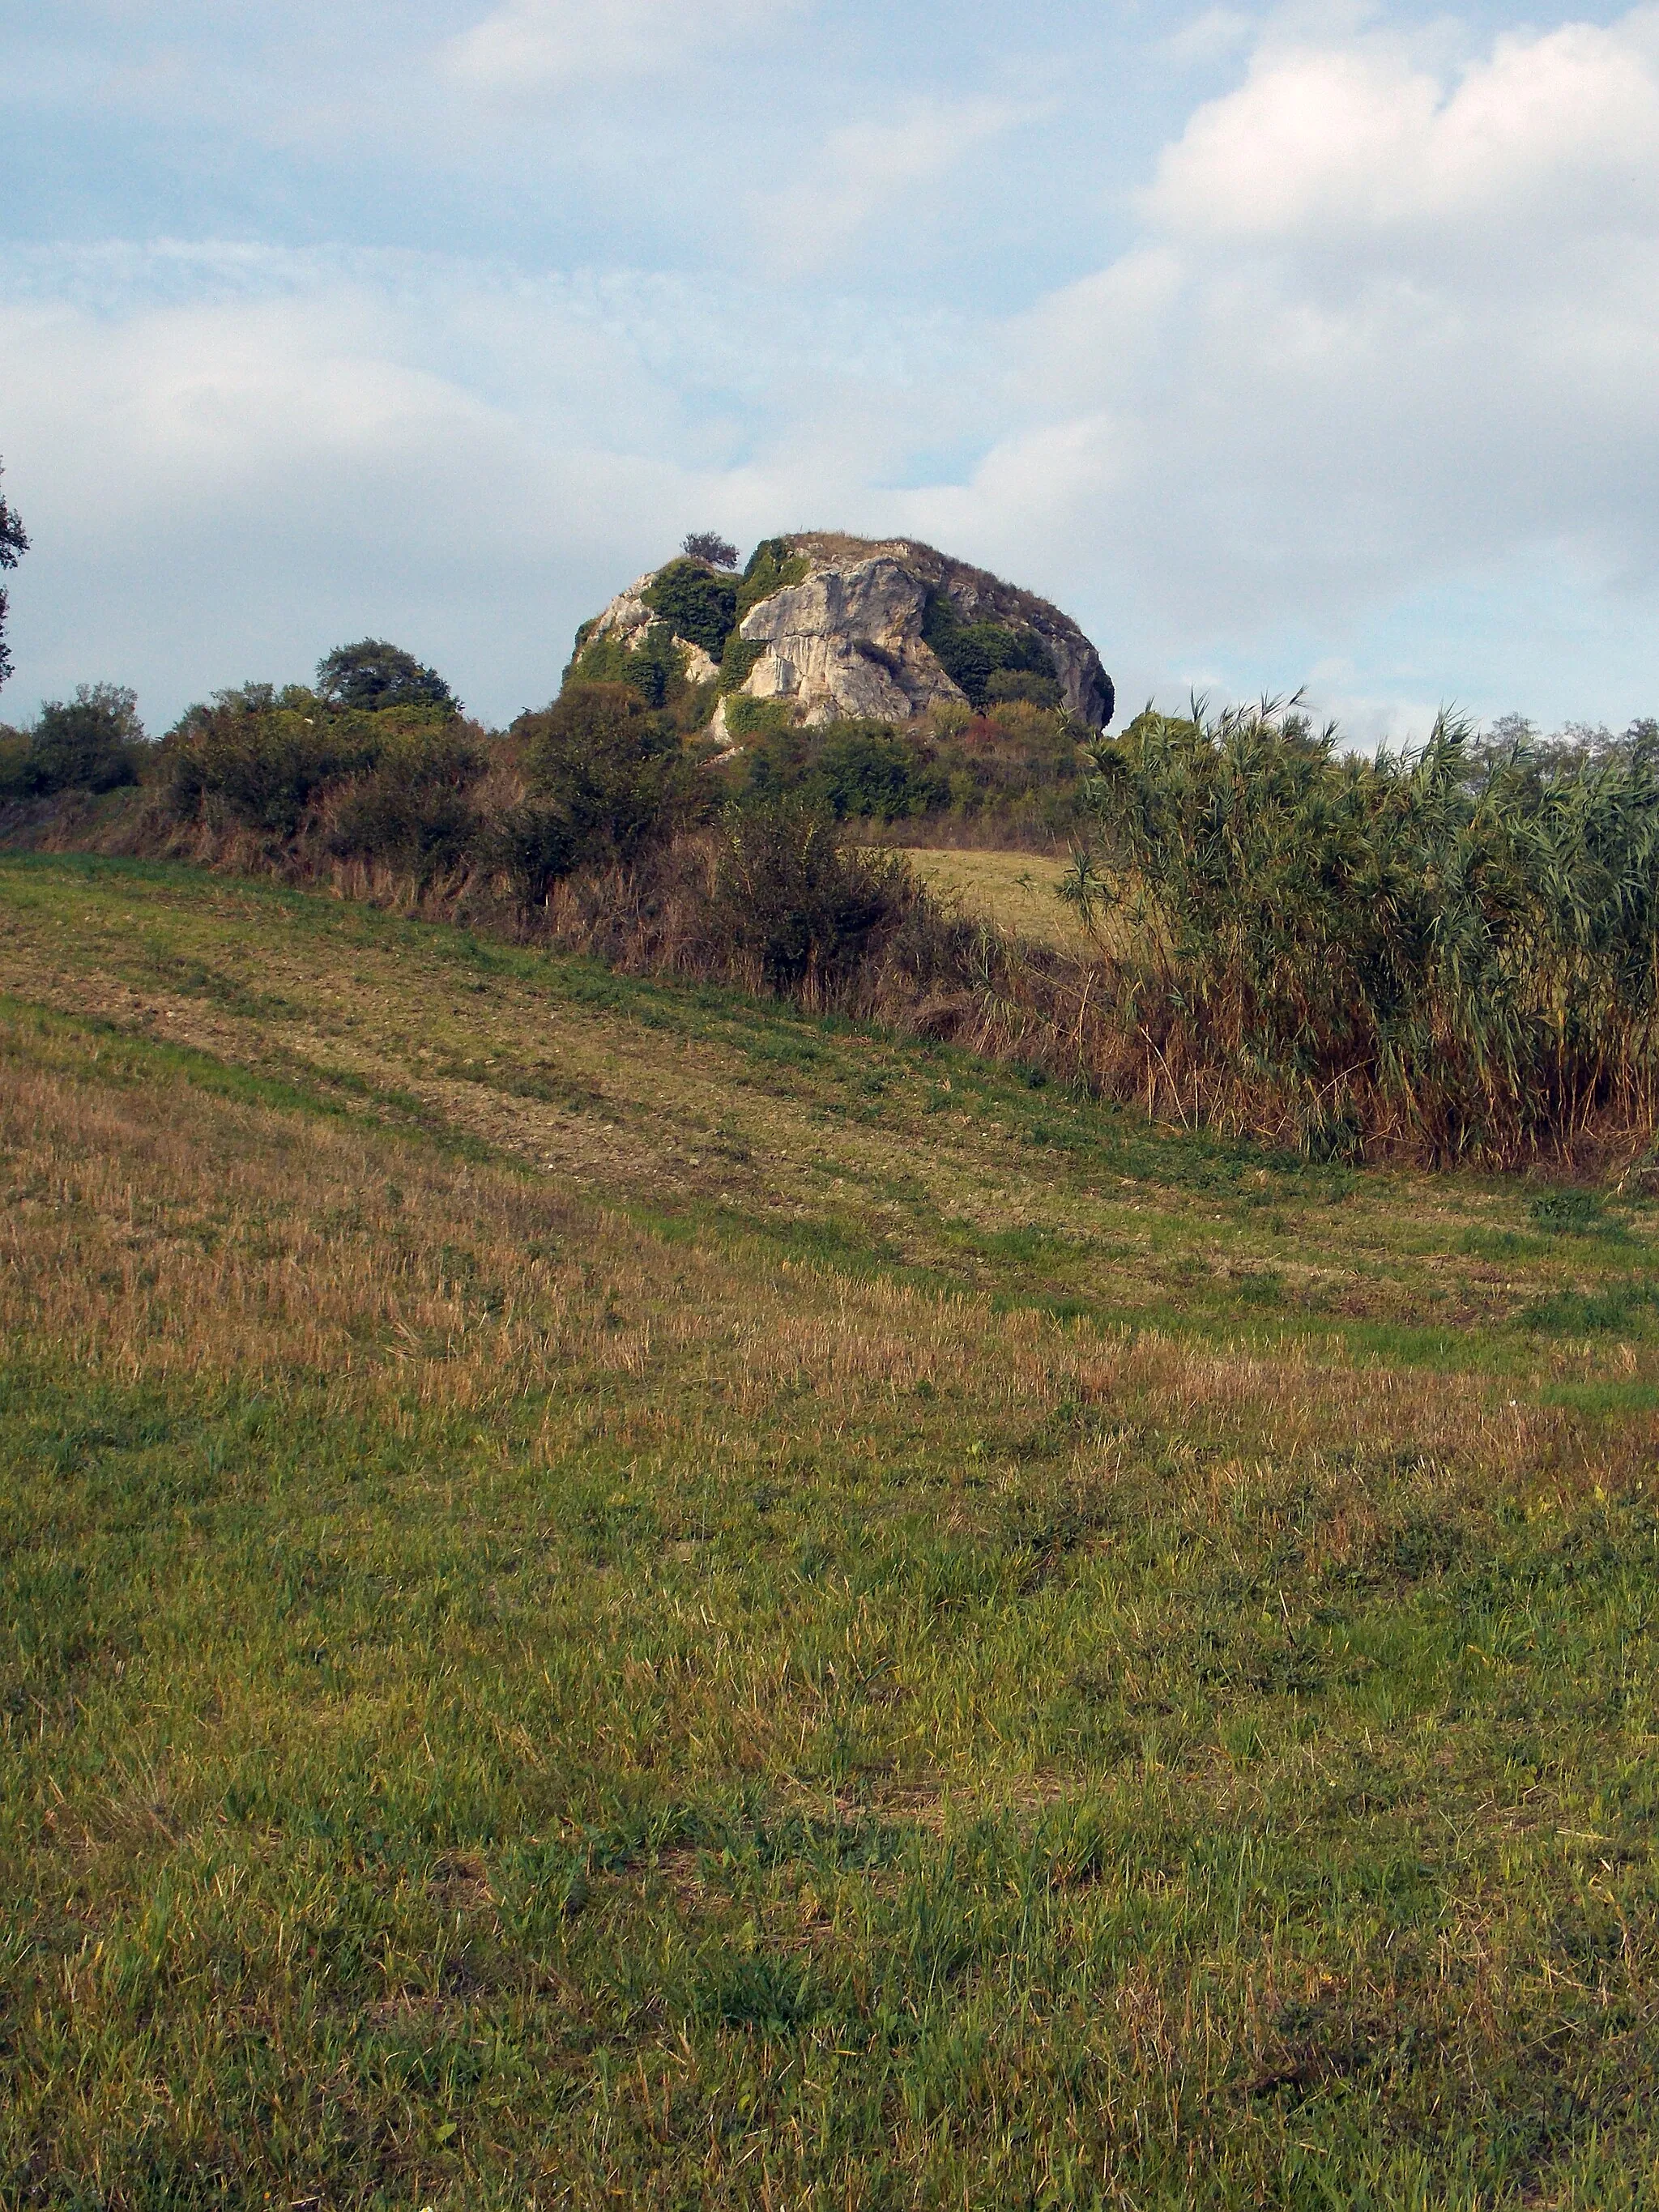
(615, 1597)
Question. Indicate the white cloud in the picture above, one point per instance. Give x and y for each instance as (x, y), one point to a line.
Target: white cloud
(527, 46)
(1390, 336)
(1355, 137)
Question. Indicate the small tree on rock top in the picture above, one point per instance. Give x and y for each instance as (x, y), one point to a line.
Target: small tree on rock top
(708, 545)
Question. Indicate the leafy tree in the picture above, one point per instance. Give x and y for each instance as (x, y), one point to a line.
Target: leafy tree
(93, 742)
(13, 543)
(373, 674)
(708, 545)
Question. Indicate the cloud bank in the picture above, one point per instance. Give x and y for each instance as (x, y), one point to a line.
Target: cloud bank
(1356, 387)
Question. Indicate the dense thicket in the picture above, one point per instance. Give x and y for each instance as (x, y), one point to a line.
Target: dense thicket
(1456, 948)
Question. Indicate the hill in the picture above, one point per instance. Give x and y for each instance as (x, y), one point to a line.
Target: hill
(619, 1596)
(823, 627)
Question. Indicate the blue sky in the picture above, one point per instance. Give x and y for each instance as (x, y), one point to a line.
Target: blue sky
(1282, 345)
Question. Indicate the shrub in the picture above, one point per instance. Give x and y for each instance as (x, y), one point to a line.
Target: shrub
(862, 770)
(93, 742)
(654, 668)
(790, 898)
(747, 718)
(534, 846)
(413, 808)
(258, 757)
(697, 605)
(971, 654)
(607, 779)
(1007, 686)
(738, 660)
(772, 568)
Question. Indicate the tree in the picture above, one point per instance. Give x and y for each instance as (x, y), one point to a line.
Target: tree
(373, 673)
(93, 742)
(708, 545)
(13, 543)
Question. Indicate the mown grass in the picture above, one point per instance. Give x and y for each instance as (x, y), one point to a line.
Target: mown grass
(617, 1596)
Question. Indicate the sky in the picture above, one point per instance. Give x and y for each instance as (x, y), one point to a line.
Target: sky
(1285, 346)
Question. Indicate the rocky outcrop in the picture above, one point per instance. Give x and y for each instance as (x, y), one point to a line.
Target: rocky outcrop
(827, 628)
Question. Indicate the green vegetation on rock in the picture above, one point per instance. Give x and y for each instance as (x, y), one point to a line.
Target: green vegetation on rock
(975, 654)
(771, 567)
(698, 605)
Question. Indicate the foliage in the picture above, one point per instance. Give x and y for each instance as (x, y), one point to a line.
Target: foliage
(971, 654)
(738, 660)
(653, 666)
(93, 742)
(1010, 686)
(772, 568)
(607, 779)
(866, 770)
(263, 759)
(13, 543)
(373, 674)
(697, 605)
(1474, 962)
(710, 547)
(790, 896)
(413, 807)
(748, 718)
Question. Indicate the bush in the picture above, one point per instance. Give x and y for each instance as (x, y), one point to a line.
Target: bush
(258, 757)
(792, 900)
(607, 779)
(973, 654)
(772, 568)
(867, 771)
(698, 606)
(413, 809)
(93, 742)
(1009, 686)
(654, 668)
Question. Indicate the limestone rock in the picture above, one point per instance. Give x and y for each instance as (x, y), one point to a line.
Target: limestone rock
(845, 632)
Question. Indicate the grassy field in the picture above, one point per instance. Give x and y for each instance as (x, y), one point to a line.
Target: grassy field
(614, 1596)
(1015, 891)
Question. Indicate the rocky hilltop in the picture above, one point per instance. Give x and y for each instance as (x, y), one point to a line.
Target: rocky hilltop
(821, 627)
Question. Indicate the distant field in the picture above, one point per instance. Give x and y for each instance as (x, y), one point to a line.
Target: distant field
(1015, 890)
(614, 1596)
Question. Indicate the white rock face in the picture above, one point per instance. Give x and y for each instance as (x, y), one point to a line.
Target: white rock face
(846, 640)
